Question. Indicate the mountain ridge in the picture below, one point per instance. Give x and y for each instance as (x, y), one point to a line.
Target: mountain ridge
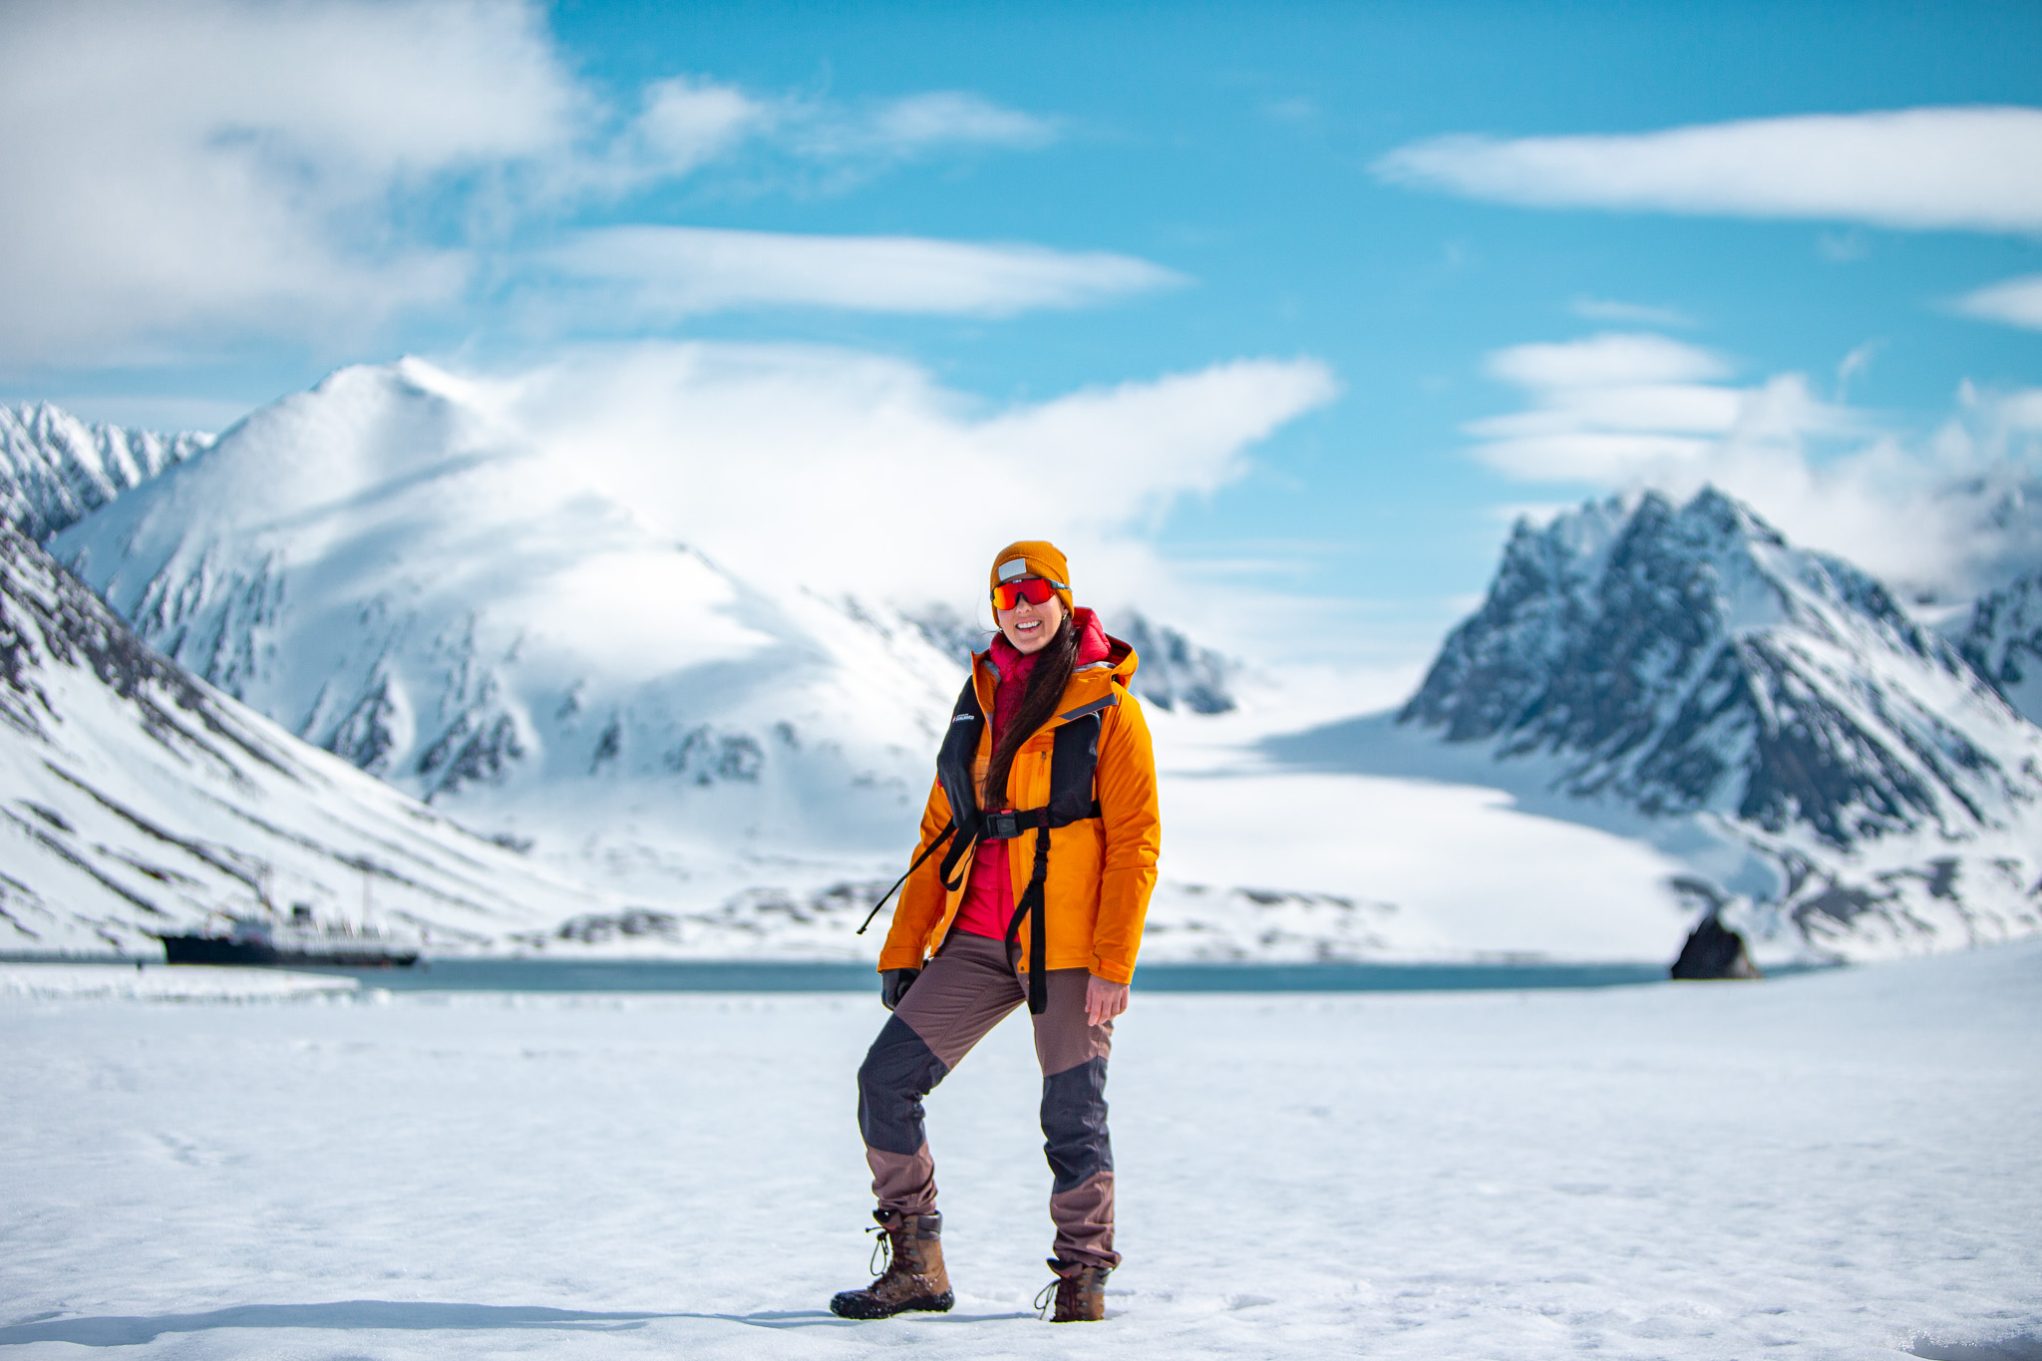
(1688, 662)
(138, 800)
(56, 469)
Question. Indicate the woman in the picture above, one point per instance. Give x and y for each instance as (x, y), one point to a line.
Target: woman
(1045, 807)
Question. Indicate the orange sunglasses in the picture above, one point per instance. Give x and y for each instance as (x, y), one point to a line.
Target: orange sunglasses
(1034, 590)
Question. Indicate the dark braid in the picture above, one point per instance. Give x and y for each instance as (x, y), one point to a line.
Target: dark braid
(1053, 667)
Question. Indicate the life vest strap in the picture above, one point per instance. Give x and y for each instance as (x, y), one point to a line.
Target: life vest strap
(1007, 826)
(948, 832)
(1031, 908)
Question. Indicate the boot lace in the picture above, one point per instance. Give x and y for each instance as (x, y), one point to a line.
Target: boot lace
(1046, 1296)
(882, 1251)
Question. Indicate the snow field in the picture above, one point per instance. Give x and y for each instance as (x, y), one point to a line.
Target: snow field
(1834, 1166)
(161, 983)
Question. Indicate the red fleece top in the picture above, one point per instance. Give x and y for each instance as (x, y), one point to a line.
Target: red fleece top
(989, 897)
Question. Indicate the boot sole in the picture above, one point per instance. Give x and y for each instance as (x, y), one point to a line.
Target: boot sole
(857, 1305)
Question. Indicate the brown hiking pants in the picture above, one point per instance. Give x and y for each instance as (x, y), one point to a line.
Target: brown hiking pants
(960, 996)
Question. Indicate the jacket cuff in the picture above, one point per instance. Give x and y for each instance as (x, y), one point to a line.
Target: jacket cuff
(1112, 971)
(899, 959)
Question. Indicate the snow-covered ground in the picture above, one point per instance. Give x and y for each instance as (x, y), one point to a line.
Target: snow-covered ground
(1838, 1165)
(1441, 860)
(162, 983)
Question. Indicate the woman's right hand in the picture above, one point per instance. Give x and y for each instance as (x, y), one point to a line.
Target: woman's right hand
(894, 985)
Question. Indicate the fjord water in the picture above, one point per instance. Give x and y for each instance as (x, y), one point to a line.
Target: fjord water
(617, 975)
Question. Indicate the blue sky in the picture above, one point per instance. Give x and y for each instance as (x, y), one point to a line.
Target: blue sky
(1074, 224)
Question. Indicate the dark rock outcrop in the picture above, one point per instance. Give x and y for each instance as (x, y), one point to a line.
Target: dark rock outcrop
(1713, 951)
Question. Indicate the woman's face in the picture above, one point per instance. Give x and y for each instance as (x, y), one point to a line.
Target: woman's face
(1030, 627)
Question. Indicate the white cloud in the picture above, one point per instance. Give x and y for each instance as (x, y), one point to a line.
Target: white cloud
(686, 122)
(187, 178)
(805, 143)
(648, 275)
(224, 166)
(2016, 302)
(1918, 513)
(1966, 168)
(952, 118)
(1629, 313)
(841, 468)
(1858, 361)
(1682, 407)
(1605, 360)
(1593, 456)
(821, 146)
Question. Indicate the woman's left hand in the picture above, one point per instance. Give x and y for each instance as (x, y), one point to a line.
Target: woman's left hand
(1103, 1000)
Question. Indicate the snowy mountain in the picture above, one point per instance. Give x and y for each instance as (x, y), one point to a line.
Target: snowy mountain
(1177, 673)
(137, 799)
(2004, 642)
(55, 469)
(1687, 660)
(1688, 708)
(396, 575)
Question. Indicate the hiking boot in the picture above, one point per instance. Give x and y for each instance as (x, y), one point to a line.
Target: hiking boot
(1080, 1292)
(914, 1277)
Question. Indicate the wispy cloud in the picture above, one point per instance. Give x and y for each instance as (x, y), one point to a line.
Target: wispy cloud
(1619, 313)
(896, 472)
(269, 191)
(682, 124)
(1616, 413)
(2015, 302)
(651, 275)
(1857, 362)
(947, 118)
(1603, 361)
(246, 195)
(1965, 168)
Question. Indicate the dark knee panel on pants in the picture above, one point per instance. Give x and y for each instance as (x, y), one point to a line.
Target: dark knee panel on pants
(899, 1070)
(1074, 1124)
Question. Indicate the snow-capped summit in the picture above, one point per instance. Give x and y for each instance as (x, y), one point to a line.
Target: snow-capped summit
(1839, 779)
(1687, 658)
(392, 572)
(55, 469)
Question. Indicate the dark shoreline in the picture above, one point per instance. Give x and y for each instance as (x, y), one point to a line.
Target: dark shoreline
(555, 974)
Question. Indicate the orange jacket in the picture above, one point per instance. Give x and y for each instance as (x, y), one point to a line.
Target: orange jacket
(1101, 870)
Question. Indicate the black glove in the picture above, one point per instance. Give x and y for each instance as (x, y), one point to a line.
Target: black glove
(894, 985)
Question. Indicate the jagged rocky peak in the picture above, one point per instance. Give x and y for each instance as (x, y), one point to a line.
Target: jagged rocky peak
(1687, 657)
(1177, 673)
(56, 469)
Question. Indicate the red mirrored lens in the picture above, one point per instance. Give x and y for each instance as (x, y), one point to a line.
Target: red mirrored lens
(1034, 590)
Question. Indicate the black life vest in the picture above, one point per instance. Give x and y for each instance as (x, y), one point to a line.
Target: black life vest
(1074, 757)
